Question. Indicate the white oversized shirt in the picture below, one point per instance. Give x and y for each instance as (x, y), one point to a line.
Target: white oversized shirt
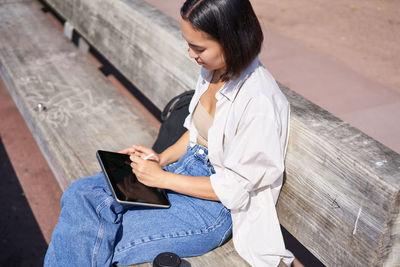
(247, 144)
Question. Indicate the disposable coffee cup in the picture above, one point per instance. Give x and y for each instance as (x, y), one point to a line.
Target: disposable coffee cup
(167, 259)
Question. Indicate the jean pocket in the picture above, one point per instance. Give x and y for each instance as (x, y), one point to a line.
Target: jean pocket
(196, 167)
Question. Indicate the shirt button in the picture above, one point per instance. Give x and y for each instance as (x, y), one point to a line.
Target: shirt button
(201, 151)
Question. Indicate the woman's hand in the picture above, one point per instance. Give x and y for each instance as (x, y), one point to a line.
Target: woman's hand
(148, 172)
(141, 151)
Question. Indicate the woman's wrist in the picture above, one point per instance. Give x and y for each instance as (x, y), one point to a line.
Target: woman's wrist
(166, 180)
(163, 161)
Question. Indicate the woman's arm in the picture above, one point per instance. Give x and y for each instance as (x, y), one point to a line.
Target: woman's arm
(150, 173)
(169, 155)
(199, 187)
(176, 151)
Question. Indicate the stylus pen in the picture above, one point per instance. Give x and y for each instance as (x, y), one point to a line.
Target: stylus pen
(148, 156)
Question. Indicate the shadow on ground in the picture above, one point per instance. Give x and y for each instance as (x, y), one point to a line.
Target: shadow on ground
(21, 241)
(301, 253)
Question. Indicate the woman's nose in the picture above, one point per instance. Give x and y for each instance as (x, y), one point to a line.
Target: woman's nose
(192, 54)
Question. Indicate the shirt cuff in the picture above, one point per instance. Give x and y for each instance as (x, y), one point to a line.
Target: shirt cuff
(230, 191)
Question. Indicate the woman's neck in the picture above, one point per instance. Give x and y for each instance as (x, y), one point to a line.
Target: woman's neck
(217, 76)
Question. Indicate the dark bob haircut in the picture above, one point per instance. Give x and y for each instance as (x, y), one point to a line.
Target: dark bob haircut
(233, 24)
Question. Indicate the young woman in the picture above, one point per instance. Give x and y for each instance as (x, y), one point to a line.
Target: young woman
(226, 168)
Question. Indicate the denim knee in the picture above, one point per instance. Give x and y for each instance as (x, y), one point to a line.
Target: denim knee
(83, 186)
(70, 192)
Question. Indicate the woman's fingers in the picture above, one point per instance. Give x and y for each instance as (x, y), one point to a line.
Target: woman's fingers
(146, 171)
(143, 149)
(134, 151)
(137, 164)
(130, 150)
(127, 151)
(144, 152)
(135, 158)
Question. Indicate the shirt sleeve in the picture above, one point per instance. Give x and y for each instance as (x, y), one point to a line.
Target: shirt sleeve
(253, 160)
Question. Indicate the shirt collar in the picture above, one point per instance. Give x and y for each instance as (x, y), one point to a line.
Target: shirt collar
(231, 88)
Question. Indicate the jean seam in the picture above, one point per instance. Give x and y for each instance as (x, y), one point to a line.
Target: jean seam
(179, 170)
(217, 223)
(100, 232)
(183, 166)
(145, 240)
(225, 236)
(189, 164)
(99, 238)
(103, 204)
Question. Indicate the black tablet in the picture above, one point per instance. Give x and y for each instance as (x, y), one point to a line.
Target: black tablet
(124, 185)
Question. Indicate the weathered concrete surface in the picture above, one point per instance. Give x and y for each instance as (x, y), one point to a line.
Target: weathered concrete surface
(76, 96)
(14, 1)
(148, 42)
(342, 188)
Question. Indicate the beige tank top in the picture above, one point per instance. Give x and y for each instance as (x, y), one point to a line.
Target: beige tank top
(202, 121)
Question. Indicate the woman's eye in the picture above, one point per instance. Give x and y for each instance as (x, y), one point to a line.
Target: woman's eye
(196, 50)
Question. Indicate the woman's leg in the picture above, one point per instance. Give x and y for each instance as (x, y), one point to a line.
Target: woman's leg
(94, 230)
(87, 227)
(185, 229)
(190, 227)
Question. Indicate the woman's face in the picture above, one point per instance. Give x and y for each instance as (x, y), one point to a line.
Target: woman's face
(206, 51)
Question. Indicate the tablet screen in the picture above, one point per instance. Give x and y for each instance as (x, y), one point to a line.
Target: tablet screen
(124, 184)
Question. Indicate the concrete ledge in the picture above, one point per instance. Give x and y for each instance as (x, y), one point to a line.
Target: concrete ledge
(82, 111)
(341, 198)
(138, 40)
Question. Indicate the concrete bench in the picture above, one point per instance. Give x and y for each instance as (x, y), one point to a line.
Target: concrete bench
(341, 197)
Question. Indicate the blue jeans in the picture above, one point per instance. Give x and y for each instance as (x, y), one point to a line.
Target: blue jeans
(95, 230)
